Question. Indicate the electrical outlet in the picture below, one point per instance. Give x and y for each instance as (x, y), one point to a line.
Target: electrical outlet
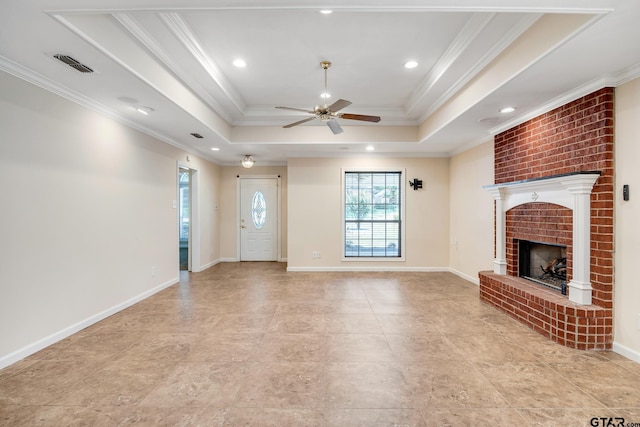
(153, 271)
(639, 321)
(315, 254)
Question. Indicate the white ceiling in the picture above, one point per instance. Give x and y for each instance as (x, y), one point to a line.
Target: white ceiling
(175, 56)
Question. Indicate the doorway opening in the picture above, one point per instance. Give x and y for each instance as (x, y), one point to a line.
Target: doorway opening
(184, 217)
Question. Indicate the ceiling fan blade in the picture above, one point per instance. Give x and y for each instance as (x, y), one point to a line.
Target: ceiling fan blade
(339, 105)
(334, 126)
(296, 109)
(362, 117)
(299, 122)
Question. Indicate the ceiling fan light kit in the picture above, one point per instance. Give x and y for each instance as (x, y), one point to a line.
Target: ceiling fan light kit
(329, 113)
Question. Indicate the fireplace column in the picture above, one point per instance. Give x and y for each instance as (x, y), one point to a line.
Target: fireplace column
(500, 262)
(580, 289)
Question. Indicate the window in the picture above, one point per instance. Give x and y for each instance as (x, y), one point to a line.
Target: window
(372, 214)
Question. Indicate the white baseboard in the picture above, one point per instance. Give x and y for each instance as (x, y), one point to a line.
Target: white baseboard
(70, 330)
(238, 260)
(474, 280)
(365, 268)
(220, 260)
(626, 352)
(460, 274)
(209, 265)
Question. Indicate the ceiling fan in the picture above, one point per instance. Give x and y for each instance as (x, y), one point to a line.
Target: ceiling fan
(329, 114)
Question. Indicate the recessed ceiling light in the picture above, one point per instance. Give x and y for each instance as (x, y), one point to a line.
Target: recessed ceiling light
(145, 110)
(240, 63)
(215, 149)
(325, 95)
(370, 148)
(326, 12)
(507, 110)
(410, 64)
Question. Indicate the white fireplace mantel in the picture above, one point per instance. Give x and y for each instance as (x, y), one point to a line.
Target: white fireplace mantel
(572, 191)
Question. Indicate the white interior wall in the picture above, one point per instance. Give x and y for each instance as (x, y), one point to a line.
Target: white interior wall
(87, 211)
(626, 229)
(209, 198)
(315, 209)
(471, 239)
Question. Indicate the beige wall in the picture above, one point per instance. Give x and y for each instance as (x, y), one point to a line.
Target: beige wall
(471, 240)
(627, 214)
(87, 211)
(229, 207)
(315, 213)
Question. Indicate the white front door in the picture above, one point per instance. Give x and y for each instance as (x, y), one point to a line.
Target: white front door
(258, 219)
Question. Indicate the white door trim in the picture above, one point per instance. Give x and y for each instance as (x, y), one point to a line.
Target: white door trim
(239, 214)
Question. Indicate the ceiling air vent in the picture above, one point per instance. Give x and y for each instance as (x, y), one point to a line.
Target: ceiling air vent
(73, 63)
(197, 135)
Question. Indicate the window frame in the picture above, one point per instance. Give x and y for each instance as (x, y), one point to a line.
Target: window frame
(403, 191)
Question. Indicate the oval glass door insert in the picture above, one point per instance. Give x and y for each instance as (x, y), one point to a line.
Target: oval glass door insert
(258, 210)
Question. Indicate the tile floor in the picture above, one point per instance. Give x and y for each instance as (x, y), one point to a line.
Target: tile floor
(248, 344)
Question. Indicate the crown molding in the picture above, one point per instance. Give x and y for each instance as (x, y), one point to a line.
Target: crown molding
(509, 37)
(470, 145)
(42, 82)
(541, 6)
(136, 30)
(460, 44)
(610, 80)
(190, 41)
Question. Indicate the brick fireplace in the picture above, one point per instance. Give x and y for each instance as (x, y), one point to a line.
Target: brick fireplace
(554, 185)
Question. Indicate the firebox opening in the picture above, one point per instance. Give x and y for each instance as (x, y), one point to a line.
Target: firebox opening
(543, 263)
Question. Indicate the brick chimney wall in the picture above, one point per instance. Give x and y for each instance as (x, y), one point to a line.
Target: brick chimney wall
(576, 137)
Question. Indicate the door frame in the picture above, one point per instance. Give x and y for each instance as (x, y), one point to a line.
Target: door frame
(239, 178)
(194, 216)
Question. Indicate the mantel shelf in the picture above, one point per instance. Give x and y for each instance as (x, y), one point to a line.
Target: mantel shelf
(558, 189)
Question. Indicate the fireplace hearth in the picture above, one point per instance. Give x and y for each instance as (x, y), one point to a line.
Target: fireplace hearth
(547, 213)
(544, 264)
